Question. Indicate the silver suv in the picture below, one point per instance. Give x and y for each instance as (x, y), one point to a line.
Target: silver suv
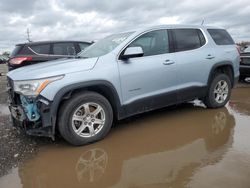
(122, 75)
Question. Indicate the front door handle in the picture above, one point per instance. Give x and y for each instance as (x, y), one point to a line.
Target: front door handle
(168, 62)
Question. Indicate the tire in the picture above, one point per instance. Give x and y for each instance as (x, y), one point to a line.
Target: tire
(81, 111)
(212, 100)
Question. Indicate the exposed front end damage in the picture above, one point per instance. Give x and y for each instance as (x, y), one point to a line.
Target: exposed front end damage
(32, 114)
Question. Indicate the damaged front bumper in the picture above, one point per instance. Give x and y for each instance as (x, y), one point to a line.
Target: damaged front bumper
(32, 114)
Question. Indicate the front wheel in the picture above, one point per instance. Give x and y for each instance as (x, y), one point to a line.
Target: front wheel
(219, 91)
(85, 118)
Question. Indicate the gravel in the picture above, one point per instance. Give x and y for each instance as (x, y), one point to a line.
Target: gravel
(15, 146)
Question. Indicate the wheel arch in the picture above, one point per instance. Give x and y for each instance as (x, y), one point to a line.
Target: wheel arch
(102, 87)
(225, 67)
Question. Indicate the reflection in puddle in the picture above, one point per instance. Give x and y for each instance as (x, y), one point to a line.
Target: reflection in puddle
(91, 165)
(162, 149)
(186, 146)
(219, 123)
(240, 101)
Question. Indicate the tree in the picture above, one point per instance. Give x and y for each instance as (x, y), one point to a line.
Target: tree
(7, 54)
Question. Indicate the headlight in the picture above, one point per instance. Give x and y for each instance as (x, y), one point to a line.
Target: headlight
(33, 87)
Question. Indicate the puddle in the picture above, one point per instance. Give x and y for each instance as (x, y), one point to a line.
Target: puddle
(240, 101)
(184, 146)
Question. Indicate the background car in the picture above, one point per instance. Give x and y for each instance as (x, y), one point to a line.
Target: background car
(245, 64)
(36, 52)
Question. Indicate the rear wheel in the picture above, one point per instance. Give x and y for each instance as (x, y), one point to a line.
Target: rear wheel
(85, 118)
(219, 91)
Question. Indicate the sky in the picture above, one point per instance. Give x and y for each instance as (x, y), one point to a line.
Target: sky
(89, 20)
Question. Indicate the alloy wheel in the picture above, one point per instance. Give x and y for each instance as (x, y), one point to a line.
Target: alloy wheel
(88, 119)
(221, 91)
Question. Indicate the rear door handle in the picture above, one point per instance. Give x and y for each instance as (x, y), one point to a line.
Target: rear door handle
(209, 56)
(168, 62)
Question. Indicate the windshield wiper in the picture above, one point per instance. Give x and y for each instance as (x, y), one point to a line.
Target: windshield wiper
(80, 57)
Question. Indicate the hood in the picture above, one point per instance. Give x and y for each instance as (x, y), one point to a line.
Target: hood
(52, 68)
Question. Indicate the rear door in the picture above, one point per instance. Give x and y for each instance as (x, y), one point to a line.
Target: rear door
(225, 48)
(149, 82)
(194, 58)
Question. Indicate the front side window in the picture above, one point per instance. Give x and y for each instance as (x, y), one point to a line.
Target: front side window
(152, 43)
(188, 39)
(64, 49)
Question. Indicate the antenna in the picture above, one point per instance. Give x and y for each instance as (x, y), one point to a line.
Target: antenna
(202, 22)
(28, 35)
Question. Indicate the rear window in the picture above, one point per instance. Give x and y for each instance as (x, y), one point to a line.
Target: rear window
(188, 39)
(15, 51)
(221, 36)
(41, 49)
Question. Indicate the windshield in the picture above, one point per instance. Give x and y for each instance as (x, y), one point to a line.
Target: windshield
(104, 46)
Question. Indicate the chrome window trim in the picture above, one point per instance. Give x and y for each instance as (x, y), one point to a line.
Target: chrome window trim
(48, 54)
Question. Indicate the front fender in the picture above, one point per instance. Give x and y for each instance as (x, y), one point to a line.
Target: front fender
(65, 93)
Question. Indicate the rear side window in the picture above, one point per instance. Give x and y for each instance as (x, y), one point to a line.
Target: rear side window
(221, 36)
(64, 49)
(41, 49)
(188, 39)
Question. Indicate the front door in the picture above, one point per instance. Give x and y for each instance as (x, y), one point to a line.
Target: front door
(150, 81)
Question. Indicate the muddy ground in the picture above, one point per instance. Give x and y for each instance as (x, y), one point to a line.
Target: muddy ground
(180, 146)
(15, 146)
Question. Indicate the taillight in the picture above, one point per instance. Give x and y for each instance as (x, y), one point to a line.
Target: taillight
(19, 60)
(238, 49)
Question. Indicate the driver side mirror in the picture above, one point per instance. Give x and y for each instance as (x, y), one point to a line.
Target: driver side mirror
(132, 52)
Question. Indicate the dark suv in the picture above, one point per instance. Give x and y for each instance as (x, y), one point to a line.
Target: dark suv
(36, 52)
(245, 64)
